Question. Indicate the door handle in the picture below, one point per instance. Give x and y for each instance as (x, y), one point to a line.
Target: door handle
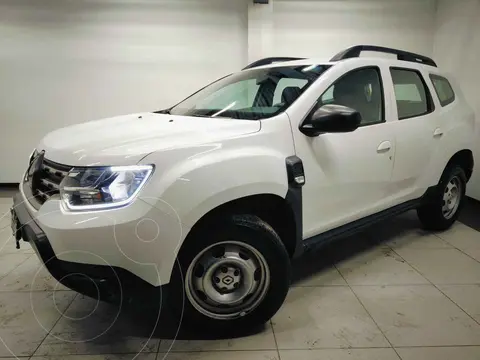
(384, 147)
(438, 132)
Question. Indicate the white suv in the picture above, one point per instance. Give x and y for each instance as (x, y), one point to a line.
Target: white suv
(212, 198)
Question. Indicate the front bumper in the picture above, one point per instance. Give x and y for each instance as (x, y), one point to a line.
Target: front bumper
(141, 238)
(104, 282)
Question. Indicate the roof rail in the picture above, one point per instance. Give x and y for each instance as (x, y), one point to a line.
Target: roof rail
(354, 52)
(270, 60)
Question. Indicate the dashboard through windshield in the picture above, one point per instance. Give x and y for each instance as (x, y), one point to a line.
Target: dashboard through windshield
(251, 94)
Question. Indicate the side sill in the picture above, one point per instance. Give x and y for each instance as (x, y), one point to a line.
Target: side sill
(354, 227)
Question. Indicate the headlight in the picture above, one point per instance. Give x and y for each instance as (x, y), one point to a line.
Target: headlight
(103, 187)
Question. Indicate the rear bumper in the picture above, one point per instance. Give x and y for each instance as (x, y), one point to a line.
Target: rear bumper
(104, 282)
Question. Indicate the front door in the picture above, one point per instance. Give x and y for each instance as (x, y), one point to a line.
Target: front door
(348, 174)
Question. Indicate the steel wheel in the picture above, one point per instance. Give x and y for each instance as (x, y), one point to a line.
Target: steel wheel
(452, 197)
(227, 280)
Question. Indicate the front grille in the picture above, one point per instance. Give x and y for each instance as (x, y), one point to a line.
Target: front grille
(45, 183)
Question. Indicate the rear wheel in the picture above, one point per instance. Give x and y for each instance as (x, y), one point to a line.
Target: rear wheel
(444, 207)
(231, 275)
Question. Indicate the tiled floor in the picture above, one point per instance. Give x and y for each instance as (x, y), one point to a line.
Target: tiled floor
(392, 292)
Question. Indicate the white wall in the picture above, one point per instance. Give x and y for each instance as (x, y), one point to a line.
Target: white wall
(260, 30)
(64, 62)
(457, 49)
(321, 28)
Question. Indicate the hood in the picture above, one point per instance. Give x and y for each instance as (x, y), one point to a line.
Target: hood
(125, 140)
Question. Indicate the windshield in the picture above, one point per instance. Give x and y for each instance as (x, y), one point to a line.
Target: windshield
(251, 94)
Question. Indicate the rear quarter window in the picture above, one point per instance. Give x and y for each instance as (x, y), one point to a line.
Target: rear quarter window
(444, 90)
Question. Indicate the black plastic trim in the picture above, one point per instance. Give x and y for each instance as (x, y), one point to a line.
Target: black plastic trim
(9, 186)
(469, 214)
(355, 51)
(322, 239)
(108, 283)
(294, 198)
(354, 227)
(29, 227)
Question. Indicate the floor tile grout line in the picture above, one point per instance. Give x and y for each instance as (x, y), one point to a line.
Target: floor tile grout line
(260, 350)
(64, 290)
(454, 247)
(442, 239)
(16, 252)
(172, 352)
(159, 340)
(384, 285)
(471, 228)
(435, 346)
(59, 355)
(275, 339)
(449, 298)
(159, 343)
(53, 326)
(3, 227)
(436, 287)
(281, 349)
(254, 350)
(419, 285)
(16, 267)
(293, 287)
(368, 312)
(360, 348)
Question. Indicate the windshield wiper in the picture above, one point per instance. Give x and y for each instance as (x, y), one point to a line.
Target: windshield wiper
(165, 111)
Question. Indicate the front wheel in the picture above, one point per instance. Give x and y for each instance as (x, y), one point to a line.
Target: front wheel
(231, 275)
(444, 208)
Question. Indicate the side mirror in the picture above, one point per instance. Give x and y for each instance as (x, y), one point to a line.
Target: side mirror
(332, 119)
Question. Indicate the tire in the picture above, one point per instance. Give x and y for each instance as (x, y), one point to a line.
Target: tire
(434, 215)
(230, 249)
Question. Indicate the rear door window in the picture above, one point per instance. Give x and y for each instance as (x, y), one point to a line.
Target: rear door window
(411, 93)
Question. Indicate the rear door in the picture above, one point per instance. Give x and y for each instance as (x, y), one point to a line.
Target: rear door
(417, 132)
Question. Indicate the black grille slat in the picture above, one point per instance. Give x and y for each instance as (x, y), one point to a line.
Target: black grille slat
(53, 177)
(59, 167)
(47, 180)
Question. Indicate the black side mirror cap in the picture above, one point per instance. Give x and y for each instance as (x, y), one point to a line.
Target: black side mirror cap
(331, 118)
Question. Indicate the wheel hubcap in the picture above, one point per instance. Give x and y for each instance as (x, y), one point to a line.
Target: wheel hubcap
(227, 280)
(451, 197)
